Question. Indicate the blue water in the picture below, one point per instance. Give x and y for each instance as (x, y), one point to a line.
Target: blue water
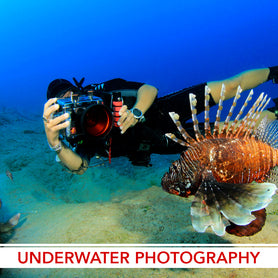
(170, 44)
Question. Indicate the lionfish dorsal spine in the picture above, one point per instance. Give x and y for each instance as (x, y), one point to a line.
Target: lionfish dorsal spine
(256, 116)
(233, 125)
(189, 140)
(207, 123)
(218, 113)
(243, 126)
(177, 140)
(227, 120)
(252, 113)
(193, 103)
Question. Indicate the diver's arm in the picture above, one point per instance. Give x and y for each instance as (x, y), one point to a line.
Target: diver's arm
(246, 80)
(71, 160)
(145, 97)
(52, 127)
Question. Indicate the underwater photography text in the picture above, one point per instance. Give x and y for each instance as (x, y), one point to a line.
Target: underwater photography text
(137, 257)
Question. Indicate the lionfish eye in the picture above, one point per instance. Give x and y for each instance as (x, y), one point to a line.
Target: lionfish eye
(175, 190)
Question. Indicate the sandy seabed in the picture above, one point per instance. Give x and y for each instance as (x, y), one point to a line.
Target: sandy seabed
(117, 203)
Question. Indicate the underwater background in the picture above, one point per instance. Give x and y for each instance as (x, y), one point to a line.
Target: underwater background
(169, 44)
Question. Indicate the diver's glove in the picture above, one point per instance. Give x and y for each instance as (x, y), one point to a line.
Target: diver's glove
(273, 74)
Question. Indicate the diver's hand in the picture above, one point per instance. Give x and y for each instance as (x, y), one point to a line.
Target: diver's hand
(52, 125)
(126, 120)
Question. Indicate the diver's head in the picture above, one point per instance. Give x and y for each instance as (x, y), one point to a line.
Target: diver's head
(59, 87)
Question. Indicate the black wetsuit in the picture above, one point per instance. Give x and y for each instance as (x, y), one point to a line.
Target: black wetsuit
(140, 141)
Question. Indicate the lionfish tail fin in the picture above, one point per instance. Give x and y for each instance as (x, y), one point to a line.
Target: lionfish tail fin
(267, 132)
(248, 230)
(215, 203)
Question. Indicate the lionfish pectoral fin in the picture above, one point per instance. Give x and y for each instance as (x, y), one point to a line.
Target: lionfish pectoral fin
(249, 197)
(205, 210)
(257, 196)
(204, 215)
(215, 201)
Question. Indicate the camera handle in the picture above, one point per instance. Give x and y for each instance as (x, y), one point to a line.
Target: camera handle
(117, 103)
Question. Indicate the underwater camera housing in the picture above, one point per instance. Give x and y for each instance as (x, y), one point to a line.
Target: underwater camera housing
(89, 117)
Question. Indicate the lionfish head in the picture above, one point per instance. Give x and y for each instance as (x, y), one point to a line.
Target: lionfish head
(175, 183)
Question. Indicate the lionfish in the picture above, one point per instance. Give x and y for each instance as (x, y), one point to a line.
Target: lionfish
(230, 170)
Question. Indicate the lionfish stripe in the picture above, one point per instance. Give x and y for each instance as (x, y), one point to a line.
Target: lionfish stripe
(191, 157)
(193, 103)
(218, 113)
(226, 123)
(175, 117)
(189, 164)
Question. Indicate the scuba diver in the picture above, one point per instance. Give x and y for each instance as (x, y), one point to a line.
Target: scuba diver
(123, 118)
